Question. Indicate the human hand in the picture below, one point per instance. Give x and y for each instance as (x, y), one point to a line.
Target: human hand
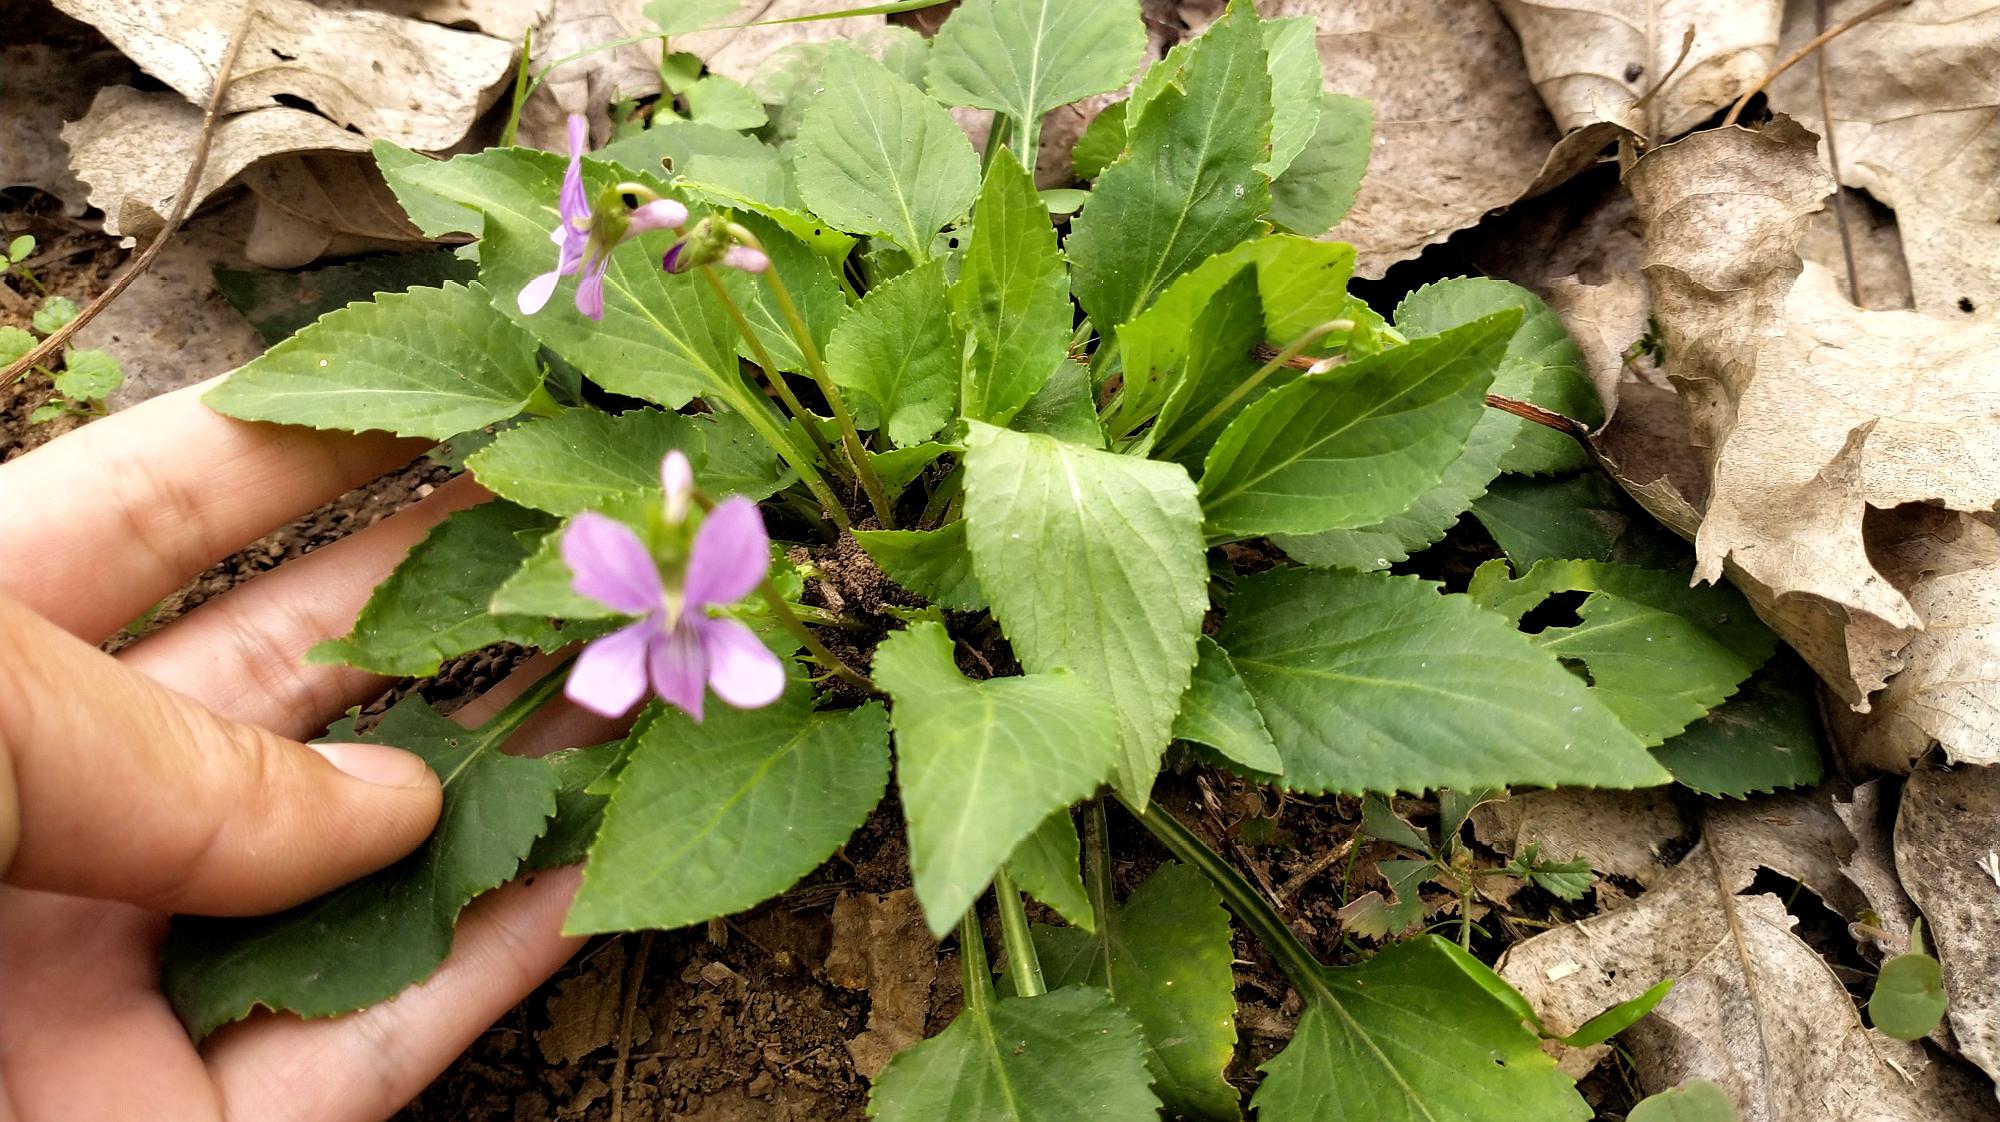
(167, 779)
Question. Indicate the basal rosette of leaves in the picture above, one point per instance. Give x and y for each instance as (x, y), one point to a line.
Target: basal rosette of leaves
(1137, 477)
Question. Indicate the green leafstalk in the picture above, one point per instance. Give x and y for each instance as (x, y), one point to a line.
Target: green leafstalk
(771, 371)
(521, 89)
(782, 612)
(1255, 912)
(760, 419)
(871, 482)
(1024, 967)
(1243, 388)
(515, 713)
(978, 976)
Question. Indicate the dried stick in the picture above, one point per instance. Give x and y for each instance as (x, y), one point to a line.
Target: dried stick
(1833, 158)
(1813, 44)
(184, 202)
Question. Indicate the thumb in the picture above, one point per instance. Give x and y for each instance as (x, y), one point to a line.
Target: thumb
(112, 786)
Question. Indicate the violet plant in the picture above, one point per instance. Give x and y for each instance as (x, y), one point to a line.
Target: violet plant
(1139, 471)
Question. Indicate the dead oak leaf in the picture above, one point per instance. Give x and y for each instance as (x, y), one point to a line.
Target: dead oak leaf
(1598, 60)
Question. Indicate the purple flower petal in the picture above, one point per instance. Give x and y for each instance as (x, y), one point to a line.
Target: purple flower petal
(741, 669)
(672, 257)
(573, 203)
(660, 214)
(680, 667)
(747, 259)
(677, 477)
(535, 294)
(590, 290)
(609, 677)
(730, 555)
(609, 564)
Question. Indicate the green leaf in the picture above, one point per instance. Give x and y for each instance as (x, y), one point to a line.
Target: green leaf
(435, 214)
(14, 344)
(1220, 342)
(875, 156)
(54, 314)
(540, 586)
(678, 17)
(897, 351)
(363, 943)
(1165, 958)
(1064, 408)
(1660, 654)
(663, 338)
(934, 564)
(579, 810)
(1378, 683)
(1535, 520)
(1356, 444)
(88, 375)
(1317, 189)
(708, 819)
(1011, 298)
(1291, 54)
(578, 460)
(1374, 917)
(279, 302)
(1218, 711)
(724, 103)
(431, 362)
(814, 288)
(1301, 284)
(1026, 57)
(1542, 365)
(980, 765)
(1696, 1100)
(1061, 1057)
(1044, 866)
(19, 247)
(47, 411)
(1763, 738)
(1531, 370)
(1102, 142)
(1413, 1037)
(1186, 187)
(1380, 820)
(434, 606)
(1619, 1017)
(1092, 561)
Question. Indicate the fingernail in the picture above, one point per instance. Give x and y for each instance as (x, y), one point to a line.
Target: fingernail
(377, 763)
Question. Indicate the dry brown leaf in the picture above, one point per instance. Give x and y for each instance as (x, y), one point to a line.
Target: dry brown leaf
(132, 149)
(1877, 247)
(740, 52)
(881, 945)
(587, 86)
(1797, 1051)
(1915, 112)
(1810, 412)
(323, 204)
(1618, 832)
(502, 19)
(40, 88)
(1595, 60)
(415, 83)
(1871, 867)
(1948, 853)
(1458, 128)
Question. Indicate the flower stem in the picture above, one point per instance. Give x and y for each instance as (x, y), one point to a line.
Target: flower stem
(878, 496)
(759, 417)
(1243, 388)
(771, 371)
(1253, 910)
(1023, 966)
(784, 615)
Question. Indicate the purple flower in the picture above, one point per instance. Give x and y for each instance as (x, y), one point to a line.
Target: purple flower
(676, 647)
(585, 240)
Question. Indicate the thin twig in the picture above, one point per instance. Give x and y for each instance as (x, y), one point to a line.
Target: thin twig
(1833, 158)
(634, 978)
(1319, 865)
(1813, 44)
(183, 203)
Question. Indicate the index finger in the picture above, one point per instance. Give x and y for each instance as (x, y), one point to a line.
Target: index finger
(101, 524)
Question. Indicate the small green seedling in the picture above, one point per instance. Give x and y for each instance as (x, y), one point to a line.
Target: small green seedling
(1909, 998)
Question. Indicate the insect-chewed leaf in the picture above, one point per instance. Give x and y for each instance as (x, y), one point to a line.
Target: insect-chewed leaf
(1356, 444)
(1416, 1036)
(363, 943)
(432, 362)
(1164, 956)
(876, 156)
(437, 604)
(1660, 653)
(708, 819)
(1534, 520)
(1187, 186)
(1378, 683)
(982, 764)
(1766, 736)
(1061, 1057)
(1093, 562)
